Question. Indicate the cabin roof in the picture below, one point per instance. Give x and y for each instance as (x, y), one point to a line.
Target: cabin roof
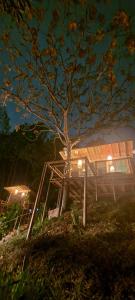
(20, 188)
(101, 152)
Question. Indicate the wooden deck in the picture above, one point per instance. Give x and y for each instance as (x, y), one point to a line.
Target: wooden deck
(111, 185)
(108, 186)
(83, 189)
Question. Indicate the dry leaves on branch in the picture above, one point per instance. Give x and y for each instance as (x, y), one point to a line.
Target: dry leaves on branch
(130, 43)
(92, 59)
(121, 19)
(100, 35)
(72, 26)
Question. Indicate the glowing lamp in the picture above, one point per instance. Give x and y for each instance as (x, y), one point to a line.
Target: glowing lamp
(109, 157)
(79, 163)
(23, 194)
(112, 169)
(16, 192)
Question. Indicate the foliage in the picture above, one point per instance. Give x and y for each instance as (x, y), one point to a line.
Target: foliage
(15, 8)
(3, 226)
(72, 67)
(38, 224)
(7, 220)
(22, 157)
(4, 121)
(98, 263)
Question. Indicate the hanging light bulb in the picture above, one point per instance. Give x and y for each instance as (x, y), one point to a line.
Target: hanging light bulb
(112, 169)
(109, 157)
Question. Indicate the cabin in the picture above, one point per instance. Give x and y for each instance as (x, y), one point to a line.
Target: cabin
(104, 159)
(106, 169)
(18, 194)
(94, 172)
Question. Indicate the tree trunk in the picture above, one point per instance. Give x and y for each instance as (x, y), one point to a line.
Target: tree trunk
(65, 197)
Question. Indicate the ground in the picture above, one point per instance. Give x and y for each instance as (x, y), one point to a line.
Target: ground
(63, 260)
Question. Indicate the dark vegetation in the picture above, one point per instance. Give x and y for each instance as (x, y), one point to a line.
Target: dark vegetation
(7, 219)
(66, 261)
(22, 158)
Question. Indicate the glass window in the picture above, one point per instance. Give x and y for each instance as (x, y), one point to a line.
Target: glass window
(111, 166)
(122, 166)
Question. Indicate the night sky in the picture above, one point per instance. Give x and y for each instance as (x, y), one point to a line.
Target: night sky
(128, 5)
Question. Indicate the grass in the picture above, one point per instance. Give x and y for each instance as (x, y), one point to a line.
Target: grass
(66, 261)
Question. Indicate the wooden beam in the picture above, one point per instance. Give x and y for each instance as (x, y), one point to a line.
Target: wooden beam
(46, 198)
(37, 200)
(56, 171)
(85, 196)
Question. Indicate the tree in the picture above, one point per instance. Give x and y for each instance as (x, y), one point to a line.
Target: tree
(72, 68)
(15, 8)
(22, 157)
(4, 121)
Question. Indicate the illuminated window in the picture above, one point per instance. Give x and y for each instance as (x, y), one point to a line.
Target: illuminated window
(112, 169)
(79, 164)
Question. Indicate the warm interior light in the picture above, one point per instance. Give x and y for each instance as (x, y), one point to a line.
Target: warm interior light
(76, 151)
(112, 169)
(16, 192)
(109, 157)
(23, 194)
(79, 163)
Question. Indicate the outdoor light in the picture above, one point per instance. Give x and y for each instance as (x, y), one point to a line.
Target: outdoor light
(112, 169)
(79, 163)
(16, 192)
(109, 157)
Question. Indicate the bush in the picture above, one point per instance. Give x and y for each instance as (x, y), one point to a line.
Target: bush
(7, 220)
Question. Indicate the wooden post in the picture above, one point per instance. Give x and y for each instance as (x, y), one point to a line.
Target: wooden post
(36, 200)
(85, 196)
(113, 189)
(46, 198)
(16, 220)
(96, 187)
(62, 191)
(59, 199)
